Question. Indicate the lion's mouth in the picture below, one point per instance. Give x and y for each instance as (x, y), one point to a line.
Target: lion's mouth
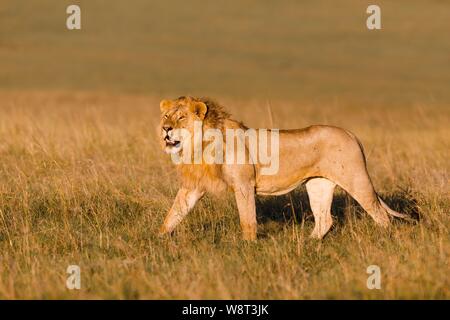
(172, 144)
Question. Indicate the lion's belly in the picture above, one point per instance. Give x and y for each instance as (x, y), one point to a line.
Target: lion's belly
(316, 151)
(275, 190)
(281, 183)
(297, 163)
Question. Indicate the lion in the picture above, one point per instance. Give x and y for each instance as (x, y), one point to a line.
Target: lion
(319, 156)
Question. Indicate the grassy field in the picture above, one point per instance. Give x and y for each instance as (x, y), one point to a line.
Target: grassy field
(83, 180)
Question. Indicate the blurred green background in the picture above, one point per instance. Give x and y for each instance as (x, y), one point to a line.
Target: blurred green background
(310, 50)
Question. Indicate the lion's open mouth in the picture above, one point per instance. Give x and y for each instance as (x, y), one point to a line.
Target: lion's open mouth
(173, 144)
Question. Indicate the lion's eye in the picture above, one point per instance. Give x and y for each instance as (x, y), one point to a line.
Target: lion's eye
(181, 118)
(166, 116)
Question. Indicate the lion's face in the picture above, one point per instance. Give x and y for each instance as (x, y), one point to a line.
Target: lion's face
(177, 118)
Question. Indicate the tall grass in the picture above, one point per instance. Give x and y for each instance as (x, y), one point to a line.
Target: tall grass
(83, 181)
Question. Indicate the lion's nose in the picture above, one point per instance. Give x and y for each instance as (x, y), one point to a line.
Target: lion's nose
(167, 128)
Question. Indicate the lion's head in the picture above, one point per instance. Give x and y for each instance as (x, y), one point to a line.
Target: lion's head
(180, 114)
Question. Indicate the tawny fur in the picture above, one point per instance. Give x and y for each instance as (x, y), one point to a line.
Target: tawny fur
(321, 156)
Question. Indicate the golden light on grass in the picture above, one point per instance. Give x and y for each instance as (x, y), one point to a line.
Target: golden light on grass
(83, 181)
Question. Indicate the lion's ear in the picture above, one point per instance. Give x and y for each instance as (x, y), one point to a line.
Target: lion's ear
(165, 105)
(198, 108)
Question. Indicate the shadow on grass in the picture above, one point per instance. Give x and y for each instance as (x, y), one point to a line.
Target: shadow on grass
(274, 212)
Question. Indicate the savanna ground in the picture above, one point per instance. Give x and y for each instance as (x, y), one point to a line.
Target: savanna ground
(83, 180)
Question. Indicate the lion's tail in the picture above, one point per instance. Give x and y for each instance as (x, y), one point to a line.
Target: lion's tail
(392, 212)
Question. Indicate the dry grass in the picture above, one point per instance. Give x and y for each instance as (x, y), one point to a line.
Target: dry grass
(83, 181)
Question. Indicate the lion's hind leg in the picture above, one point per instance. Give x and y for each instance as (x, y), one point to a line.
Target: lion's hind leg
(361, 189)
(320, 193)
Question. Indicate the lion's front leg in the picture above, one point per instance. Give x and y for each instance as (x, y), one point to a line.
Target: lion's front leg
(245, 199)
(184, 202)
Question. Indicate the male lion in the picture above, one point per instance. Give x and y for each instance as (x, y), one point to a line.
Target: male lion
(319, 156)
